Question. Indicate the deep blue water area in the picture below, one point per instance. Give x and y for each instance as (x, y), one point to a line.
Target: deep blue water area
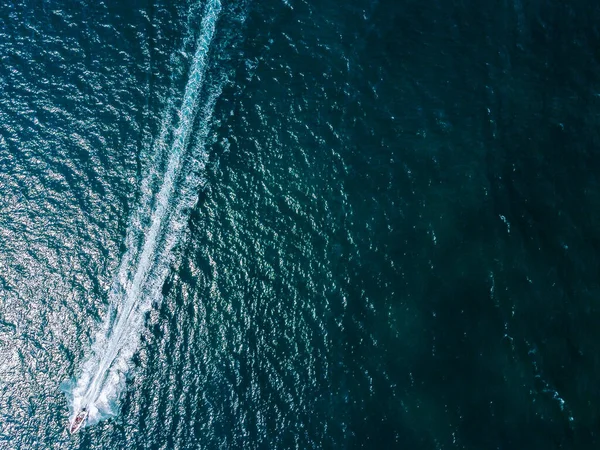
(300, 224)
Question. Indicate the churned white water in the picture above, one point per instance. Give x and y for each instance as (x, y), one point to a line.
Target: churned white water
(154, 229)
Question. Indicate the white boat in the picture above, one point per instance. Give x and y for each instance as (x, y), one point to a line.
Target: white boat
(78, 421)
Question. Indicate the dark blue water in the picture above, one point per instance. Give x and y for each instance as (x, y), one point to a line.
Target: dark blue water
(287, 224)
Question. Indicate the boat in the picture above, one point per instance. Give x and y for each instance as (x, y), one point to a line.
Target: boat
(78, 421)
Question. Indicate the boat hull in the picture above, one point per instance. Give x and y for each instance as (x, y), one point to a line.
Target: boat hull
(78, 422)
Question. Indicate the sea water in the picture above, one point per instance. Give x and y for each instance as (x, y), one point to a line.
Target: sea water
(295, 224)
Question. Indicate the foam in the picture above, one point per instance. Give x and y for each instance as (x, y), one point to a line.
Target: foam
(155, 228)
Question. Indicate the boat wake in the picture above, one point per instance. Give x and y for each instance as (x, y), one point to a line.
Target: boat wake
(154, 229)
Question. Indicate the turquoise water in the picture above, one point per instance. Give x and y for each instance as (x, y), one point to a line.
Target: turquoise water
(290, 224)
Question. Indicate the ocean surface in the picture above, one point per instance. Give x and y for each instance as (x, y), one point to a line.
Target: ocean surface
(290, 224)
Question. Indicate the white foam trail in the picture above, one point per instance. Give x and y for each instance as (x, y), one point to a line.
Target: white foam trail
(156, 227)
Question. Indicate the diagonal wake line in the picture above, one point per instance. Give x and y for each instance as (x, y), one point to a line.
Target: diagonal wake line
(103, 373)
